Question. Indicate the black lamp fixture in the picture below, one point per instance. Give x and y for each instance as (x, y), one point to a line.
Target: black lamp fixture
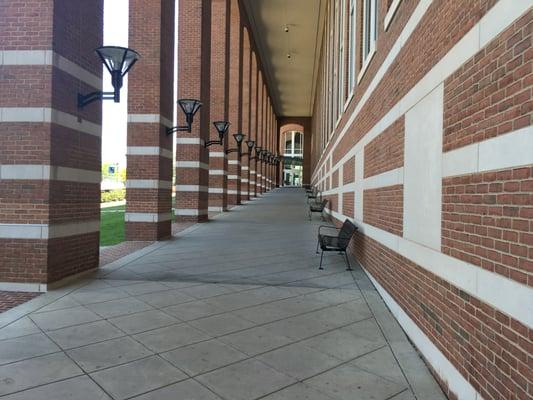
(258, 152)
(221, 127)
(239, 137)
(189, 107)
(118, 61)
(250, 144)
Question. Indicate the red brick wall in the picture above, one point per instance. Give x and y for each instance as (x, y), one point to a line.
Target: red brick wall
(491, 93)
(487, 220)
(348, 204)
(383, 208)
(491, 350)
(385, 152)
(348, 171)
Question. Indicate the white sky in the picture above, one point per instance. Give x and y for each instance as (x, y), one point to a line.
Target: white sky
(115, 114)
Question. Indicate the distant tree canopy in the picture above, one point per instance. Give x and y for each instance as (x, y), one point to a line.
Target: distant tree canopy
(119, 173)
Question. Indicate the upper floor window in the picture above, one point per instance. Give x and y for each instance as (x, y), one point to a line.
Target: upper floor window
(341, 60)
(351, 46)
(370, 29)
(294, 146)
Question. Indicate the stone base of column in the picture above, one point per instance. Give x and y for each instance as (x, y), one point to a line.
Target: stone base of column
(148, 231)
(192, 218)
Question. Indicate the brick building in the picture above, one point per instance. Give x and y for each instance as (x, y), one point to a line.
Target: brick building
(412, 117)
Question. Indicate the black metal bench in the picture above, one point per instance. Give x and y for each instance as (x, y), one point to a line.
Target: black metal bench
(338, 243)
(316, 207)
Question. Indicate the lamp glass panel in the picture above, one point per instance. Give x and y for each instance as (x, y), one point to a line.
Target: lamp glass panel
(117, 58)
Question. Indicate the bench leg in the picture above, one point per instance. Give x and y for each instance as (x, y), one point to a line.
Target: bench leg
(317, 242)
(347, 262)
(321, 257)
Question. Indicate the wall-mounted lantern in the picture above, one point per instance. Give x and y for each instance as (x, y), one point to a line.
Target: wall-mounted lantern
(258, 150)
(239, 137)
(221, 127)
(189, 107)
(118, 61)
(250, 144)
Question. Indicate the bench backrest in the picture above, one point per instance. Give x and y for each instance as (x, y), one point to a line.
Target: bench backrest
(345, 234)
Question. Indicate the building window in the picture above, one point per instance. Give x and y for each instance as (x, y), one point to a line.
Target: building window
(370, 29)
(341, 30)
(351, 46)
(294, 144)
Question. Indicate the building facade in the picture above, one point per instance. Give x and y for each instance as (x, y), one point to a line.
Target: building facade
(412, 117)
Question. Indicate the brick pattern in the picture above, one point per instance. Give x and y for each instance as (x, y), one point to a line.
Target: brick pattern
(487, 220)
(491, 94)
(383, 208)
(8, 300)
(348, 171)
(490, 349)
(348, 203)
(335, 179)
(385, 152)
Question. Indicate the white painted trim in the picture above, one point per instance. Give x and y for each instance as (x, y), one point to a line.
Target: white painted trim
(232, 191)
(190, 140)
(243, 180)
(217, 172)
(217, 154)
(191, 164)
(149, 151)
(494, 289)
(390, 13)
(215, 209)
(366, 64)
(191, 188)
(46, 231)
(244, 192)
(233, 177)
(244, 168)
(48, 57)
(216, 190)
(234, 162)
(149, 119)
(442, 366)
(252, 182)
(190, 212)
(147, 217)
(49, 173)
(387, 178)
(148, 184)
(252, 172)
(513, 149)
(49, 115)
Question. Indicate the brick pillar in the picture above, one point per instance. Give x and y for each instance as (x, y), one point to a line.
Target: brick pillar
(234, 102)
(260, 132)
(50, 152)
(150, 98)
(218, 162)
(253, 122)
(245, 114)
(194, 65)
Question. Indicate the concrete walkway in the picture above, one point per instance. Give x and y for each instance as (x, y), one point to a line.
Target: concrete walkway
(233, 309)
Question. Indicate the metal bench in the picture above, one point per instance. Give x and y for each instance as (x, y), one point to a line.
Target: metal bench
(338, 242)
(316, 207)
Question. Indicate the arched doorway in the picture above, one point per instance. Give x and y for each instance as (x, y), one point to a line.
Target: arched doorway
(293, 152)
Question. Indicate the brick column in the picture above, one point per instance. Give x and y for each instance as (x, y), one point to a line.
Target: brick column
(234, 102)
(50, 155)
(253, 123)
(194, 65)
(218, 162)
(150, 98)
(245, 114)
(260, 132)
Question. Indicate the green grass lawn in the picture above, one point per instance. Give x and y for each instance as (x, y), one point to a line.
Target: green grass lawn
(112, 225)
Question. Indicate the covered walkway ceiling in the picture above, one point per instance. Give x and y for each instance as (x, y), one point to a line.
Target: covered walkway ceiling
(282, 28)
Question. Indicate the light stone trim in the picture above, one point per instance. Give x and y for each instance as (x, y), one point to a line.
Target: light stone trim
(190, 212)
(147, 217)
(217, 172)
(47, 231)
(149, 119)
(191, 188)
(233, 177)
(244, 168)
(190, 140)
(191, 164)
(215, 209)
(234, 162)
(149, 151)
(387, 178)
(49, 57)
(216, 190)
(217, 154)
(49, 173)
(49, 115)
(148, 184)
(244, 180)
(511, 150)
